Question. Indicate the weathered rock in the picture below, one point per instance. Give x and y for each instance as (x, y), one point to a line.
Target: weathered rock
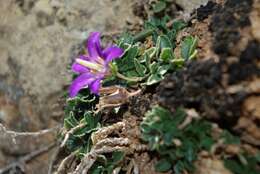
(190, 5)
(211, 166)
(38, 40)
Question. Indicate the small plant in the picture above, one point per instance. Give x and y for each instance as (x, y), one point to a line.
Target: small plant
(243, 163)
(148, 65)
(177, 148)
(81, 121)
(106, 164)
(103, 79)
(159, 6)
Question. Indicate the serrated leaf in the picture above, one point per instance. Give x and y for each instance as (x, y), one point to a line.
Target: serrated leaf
(159, 6)
(163, 165)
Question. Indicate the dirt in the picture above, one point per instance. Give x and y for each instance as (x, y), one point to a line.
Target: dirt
(203, 12)
(226, 23)
(203, 84)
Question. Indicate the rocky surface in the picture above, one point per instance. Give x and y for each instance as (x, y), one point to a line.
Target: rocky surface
(38, 40)
(190, 5)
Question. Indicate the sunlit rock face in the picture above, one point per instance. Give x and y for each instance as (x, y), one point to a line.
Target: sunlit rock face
(189, 5)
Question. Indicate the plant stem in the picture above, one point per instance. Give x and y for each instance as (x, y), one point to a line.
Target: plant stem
(133, 79)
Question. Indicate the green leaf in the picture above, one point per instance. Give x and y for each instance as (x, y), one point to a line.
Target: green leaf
(114, 68)
(178, 63)
(81, 132)
(163, 42)
(98, 170)
(117, 157)
(143, 34)
(206, 143)
(150, 52)
(162, 70)
(91, 120)
(160, 127)
(153, 67)
(71, 121)
(126, 63)
(178, 168)
(178, 25)
(163, 165)
(166, 54)
(141, 69)
(147, 60)
(154, 78)
(159, 6)
(229, 138)
(188, 47)
(125, 40)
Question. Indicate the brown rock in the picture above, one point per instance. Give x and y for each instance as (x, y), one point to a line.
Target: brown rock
(251, 106)
(210, 166)
(9, 114)
(190, 5)
(255, 20)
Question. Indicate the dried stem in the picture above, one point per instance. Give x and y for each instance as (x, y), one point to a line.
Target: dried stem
(22, 161)
(18, 140)
(70, 132)
(106, 131)
(66, 163)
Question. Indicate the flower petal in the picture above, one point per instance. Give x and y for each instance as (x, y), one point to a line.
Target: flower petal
(95, 86)
(77, 68)
(93, 45)
(79, 83)
(112, 52)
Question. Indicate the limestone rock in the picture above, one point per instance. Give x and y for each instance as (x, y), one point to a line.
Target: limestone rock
(190, 5)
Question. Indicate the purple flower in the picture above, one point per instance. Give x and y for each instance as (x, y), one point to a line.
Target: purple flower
(92, 68)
